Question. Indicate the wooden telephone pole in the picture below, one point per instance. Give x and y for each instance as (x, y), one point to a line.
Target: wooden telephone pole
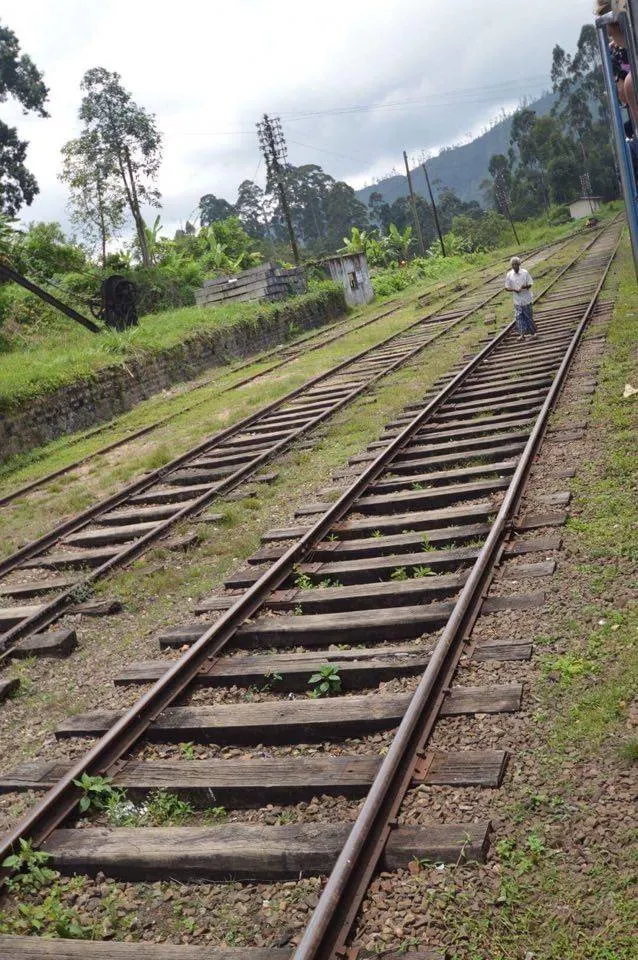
(434, 210)
(415, 213)
(273, 147)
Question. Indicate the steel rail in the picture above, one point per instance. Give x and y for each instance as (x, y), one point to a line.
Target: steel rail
(50, 611)
(330, 924)
(260, 358)
(61, 800)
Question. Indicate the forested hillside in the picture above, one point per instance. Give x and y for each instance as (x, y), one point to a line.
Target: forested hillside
(461, 169)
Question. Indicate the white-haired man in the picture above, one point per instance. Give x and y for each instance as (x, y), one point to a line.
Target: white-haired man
(519, 282)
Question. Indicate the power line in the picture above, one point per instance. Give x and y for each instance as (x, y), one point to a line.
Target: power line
(310, 146)
(434, 101)
(258, 168)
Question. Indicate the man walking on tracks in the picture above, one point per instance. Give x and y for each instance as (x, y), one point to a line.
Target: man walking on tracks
(519, 282)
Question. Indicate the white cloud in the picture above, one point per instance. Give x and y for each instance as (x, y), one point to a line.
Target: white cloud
(208, 70)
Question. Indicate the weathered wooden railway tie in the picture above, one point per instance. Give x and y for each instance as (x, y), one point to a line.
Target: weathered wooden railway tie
(115, 531)
(388, 627)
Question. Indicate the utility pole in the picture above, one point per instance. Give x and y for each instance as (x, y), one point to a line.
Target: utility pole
(273, 147)
(415, 213)
(434, 210)
(502, 196)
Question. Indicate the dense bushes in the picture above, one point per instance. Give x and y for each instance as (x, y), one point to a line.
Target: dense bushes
(558, 215)
(478, 234)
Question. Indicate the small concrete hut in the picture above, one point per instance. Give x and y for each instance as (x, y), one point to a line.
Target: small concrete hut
(584, 207)
(351, 271)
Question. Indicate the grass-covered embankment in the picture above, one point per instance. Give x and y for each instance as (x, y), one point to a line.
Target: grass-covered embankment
(64, 352)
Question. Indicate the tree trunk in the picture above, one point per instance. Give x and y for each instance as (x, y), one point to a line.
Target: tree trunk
(137, 214)
(131, 192)
(129, 197)
(100, 206)
(544, 188)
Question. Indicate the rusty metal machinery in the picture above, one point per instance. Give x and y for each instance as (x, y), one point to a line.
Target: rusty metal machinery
(118, 308)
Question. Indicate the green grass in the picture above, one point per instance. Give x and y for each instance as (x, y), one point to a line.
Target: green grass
(30, 516)
(18, 366)
(64, 352)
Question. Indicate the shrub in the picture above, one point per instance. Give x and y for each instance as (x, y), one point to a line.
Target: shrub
(558, 215)
(392, 281)
(44, 251)
(30, 867)
(326, 682)
(480, 233)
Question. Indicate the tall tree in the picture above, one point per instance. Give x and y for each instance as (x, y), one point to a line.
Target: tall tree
(20, 79)
(379, 210)
(343, 210)
(129, 142)
(251, 209)
(583, 110)
(212, 209)
(561, 70)
(323, 210)
(97, 204)
(308, 188)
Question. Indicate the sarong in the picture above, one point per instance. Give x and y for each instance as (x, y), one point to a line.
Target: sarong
(525, 320)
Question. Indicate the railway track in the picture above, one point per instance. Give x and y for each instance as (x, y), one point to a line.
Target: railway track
(384, 583)
(281, 355)
(59, 567)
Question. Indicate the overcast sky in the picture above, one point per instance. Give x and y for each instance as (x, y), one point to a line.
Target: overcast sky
(426, 74)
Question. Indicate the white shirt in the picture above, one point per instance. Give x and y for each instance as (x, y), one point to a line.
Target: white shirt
(514, 282)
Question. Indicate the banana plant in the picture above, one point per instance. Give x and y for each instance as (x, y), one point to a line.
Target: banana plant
(153, 239)
(356, 242)
(216, 255)
(400, 243)
(376, 251)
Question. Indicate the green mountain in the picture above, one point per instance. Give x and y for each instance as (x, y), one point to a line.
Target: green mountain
(463, 168)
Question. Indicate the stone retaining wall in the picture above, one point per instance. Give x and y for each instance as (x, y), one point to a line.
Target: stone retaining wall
(117, 389)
